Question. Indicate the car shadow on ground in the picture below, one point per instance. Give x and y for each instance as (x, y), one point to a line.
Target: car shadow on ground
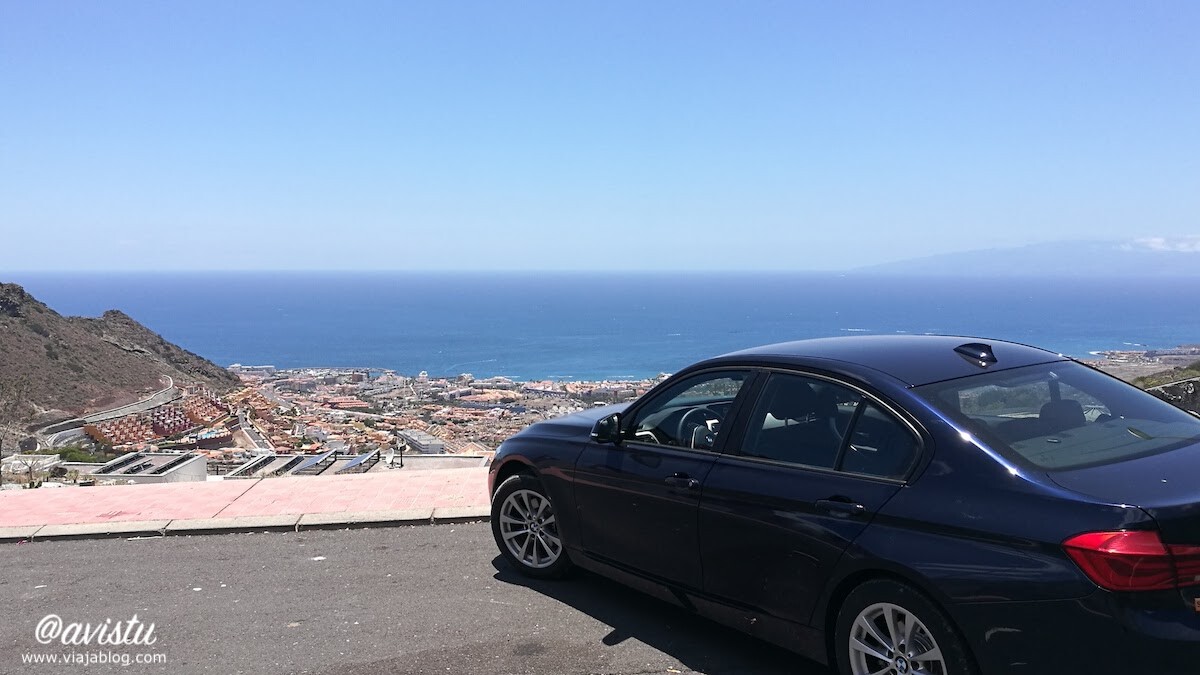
(699, 644)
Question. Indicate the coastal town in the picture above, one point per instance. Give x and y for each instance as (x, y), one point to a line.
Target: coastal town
(314, 410)
(311, 421)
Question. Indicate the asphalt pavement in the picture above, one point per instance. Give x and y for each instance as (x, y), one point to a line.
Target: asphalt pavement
(397, 600)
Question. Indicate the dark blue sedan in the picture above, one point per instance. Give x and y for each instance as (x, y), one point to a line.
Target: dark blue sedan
(888, 505)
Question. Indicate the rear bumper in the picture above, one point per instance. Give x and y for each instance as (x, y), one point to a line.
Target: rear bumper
(1102, 633)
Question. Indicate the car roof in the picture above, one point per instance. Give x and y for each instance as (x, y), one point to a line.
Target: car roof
(912, 359)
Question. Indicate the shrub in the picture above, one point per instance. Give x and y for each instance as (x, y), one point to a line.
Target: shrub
(77, 455)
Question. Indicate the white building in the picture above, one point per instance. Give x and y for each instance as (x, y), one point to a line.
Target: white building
(422, 442)
(154, 467)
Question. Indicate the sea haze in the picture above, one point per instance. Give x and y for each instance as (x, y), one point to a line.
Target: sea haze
(593, 326)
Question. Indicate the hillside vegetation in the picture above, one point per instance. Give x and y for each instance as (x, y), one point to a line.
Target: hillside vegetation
(77, 365)
(1163, 377)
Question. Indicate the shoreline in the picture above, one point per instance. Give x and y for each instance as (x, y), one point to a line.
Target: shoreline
(1126, 364)
(1132, 364)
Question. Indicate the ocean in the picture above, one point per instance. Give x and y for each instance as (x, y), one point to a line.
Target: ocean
(589, 326)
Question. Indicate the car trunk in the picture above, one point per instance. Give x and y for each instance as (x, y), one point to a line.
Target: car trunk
(1166, 486)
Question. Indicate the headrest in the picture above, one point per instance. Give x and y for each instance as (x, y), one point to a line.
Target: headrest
(792, 399)
(1063, 414)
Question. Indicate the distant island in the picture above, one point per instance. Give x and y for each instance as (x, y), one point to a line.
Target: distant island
(1138, 258)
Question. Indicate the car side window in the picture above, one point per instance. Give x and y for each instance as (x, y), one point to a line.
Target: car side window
(689, 414)
(800, 420)
(879, 445)
(804, 421)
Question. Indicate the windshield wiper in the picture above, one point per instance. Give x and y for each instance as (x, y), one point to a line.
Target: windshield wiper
(1139, 433)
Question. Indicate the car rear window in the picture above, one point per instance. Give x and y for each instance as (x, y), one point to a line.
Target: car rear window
(1062, 415)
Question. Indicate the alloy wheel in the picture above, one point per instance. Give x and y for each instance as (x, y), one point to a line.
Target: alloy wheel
(887, 639)
(529, 529)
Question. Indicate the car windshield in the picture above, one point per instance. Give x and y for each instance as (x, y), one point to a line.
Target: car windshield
(1062, 415)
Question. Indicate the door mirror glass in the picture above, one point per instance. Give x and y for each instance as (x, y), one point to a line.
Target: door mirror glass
(608, 429)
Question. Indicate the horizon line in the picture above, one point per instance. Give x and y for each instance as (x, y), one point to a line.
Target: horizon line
(865, 271)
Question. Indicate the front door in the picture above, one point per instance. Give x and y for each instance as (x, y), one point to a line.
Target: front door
(638, 500)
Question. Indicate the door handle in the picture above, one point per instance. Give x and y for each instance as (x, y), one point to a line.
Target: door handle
(682, 480)
(841, 506)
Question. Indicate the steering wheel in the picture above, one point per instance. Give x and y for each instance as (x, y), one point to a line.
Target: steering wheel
(689, 421)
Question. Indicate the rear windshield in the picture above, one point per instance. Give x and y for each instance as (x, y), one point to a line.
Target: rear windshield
(1062, 415)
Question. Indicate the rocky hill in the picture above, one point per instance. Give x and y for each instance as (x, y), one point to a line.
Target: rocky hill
(78, 365)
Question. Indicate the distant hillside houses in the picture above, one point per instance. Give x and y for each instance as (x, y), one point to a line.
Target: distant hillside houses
(546, 389)
(190, 413)
(264, 371)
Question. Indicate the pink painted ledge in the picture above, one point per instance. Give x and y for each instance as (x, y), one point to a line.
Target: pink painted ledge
(393, 490)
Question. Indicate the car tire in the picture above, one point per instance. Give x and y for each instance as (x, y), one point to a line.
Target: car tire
(885, 626)
(525, 526)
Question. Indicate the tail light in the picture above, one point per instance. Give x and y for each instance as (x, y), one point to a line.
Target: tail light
(1134, 560)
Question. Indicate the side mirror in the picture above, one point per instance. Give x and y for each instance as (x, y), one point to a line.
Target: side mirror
(608, 429)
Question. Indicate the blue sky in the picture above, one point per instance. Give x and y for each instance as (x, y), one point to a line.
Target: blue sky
(613, 135)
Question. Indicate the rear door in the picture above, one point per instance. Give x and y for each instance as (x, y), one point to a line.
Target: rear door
(637, 501)
(818, 459)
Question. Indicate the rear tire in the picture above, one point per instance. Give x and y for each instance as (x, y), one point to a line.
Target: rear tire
(888, 627)
(525, 527)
